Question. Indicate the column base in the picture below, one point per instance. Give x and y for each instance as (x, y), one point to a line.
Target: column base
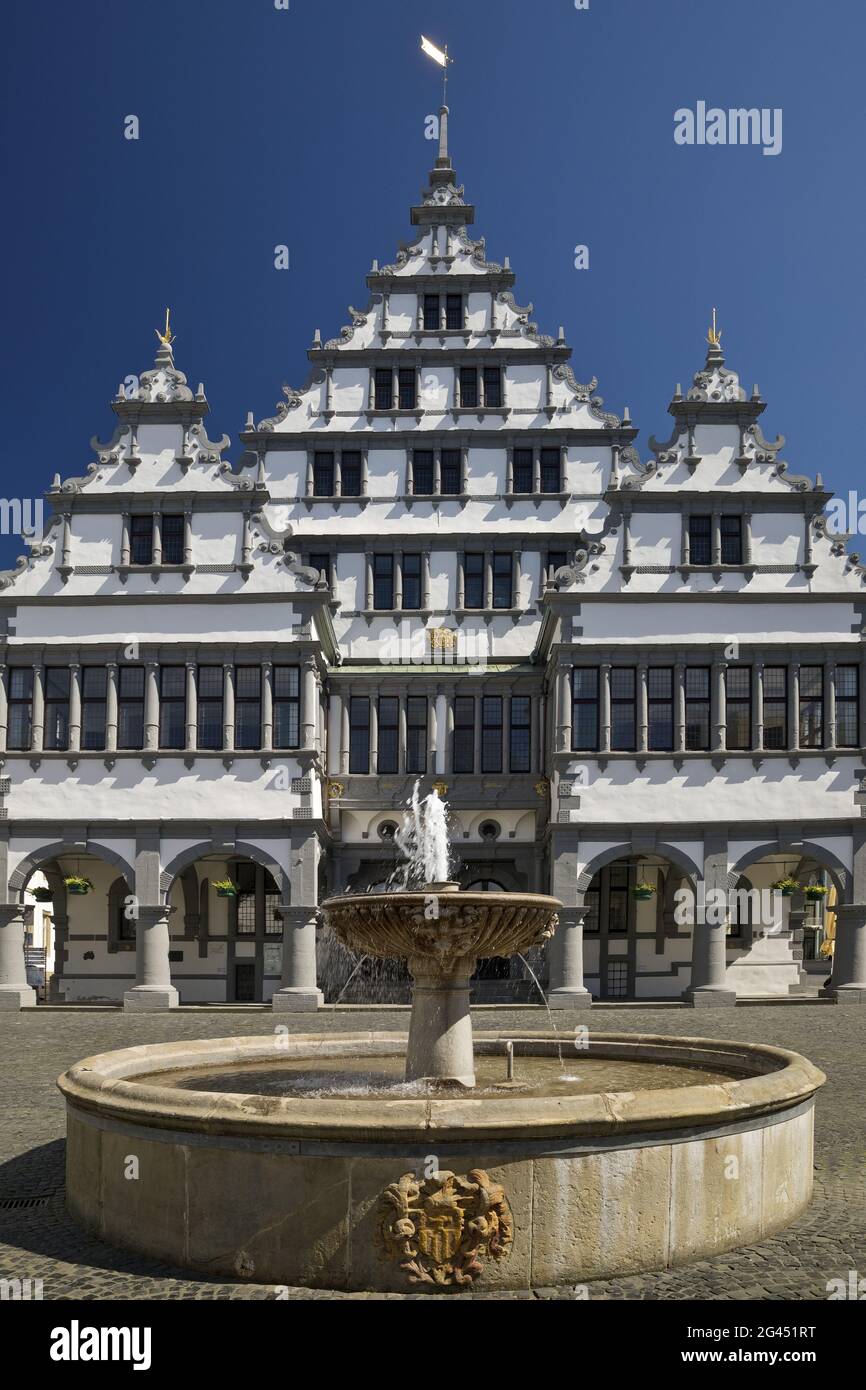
(297, 1000)
(844, 994)
(710, 998)
(13, 997)
(569, 999)
(145, 999)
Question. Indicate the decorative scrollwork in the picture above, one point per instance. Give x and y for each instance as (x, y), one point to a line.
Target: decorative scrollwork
(440, 1229)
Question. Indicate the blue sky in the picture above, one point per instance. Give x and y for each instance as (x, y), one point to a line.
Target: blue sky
(305, 127)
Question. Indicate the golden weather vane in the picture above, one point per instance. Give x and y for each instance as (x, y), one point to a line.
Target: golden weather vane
(167, 336)
(714, 336)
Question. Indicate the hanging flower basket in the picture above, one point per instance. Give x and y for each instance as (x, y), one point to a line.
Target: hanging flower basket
(42, 895)
(786, 886)
(815, 890)
(76, 883)
(643, 892)
(225, 888)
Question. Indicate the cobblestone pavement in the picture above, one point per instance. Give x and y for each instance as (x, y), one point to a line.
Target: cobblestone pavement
(37, 1239)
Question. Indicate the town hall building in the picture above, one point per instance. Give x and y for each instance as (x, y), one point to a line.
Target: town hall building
(632, 674)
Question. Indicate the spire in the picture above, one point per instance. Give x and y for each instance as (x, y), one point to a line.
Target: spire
(715, 356)
(443, 162)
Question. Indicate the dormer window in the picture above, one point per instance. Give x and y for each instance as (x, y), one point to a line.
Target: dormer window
(700, 540)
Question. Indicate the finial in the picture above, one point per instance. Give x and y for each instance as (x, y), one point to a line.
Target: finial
(756, 392)
(678, 391)
(506, 264)
(166, 337)
(626, 415)
(443, 135)
(199, 395)
(251, 424)
(714, 336)
(317, 338)
(561, 338)
(375, 267)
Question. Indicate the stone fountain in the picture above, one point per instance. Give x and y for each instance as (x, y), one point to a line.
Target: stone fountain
(381, 1162)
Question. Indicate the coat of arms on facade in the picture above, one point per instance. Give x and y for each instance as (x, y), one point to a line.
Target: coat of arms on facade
(441, 1229)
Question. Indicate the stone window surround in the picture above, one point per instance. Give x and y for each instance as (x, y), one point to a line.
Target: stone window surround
(678, 660)
(478, 359)
(311, 729)
(431, 687)
(336, 450)
(157, 506)
(715, 505)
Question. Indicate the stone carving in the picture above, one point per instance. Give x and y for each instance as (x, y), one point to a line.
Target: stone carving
(293, 399)
(476, 250)
(163, 383)
(716, 382)
(359, 318)
(445, 196)
(441, 1229)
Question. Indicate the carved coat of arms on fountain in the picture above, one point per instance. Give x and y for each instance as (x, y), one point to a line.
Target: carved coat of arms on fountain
(441, 1229)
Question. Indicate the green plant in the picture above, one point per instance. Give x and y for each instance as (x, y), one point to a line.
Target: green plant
(77, 883)
(225, 888)
(786, 886)
(42, 895)
(815, 890)
(644, 890)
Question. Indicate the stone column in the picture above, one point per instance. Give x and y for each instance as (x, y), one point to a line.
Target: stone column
(847, 983)
(718, 706)
(335, 729)
(15, 993)
(111, 707)
(191, 708)
(344, 734)
(151, 705)
(299, 992)
(642, 730)
(563, 709)
(566, 989)
(153, 989)
(4, 707)
(267, 706)
(309, 696)
(37, 718)
(74, 707)
(228, 706)
(604, 708)
(709, 987)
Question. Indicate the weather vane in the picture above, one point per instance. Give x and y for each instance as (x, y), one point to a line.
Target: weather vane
(714, 337)
(443, 58)
(167, 336)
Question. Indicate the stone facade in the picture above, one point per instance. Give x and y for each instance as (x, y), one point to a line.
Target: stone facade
(441, 559)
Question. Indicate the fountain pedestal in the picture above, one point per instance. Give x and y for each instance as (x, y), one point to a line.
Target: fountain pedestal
(440, 1028)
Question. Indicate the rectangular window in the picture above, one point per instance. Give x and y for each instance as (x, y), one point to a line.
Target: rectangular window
(130, 707)
(464, 733)
(389, 733)
(383, 581)
(551, 460)
(660, 708)
(451, 473)
(407, 385)
(775, 707)
(697, 708)
(523, 463)
(738, 702)
(847, 707)
(287, 706)
(811, 706)
(732, 540)
(700, 540)
(473, 581)
(493, 387)
(172, 706)
(412, 581)
(210, 707)
(491, 733)
(359, 735)
(422, 473)
(171, 532)
(431, 312)
(469, 388)
(502, 583)
(248, 707)
(623, 709)
(141, 540)
(323, 475)
(350, 473)
(584, 715)
(416, 734)
(56, 707)
(320, 561)
(520, 749)
(94, 691)
(20, 707)
(384, 380)
(454, 311)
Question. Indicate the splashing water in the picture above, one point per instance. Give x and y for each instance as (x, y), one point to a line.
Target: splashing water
(423, 842)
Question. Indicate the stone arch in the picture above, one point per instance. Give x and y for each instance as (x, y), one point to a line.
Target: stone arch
(241, 849)
(672, 853)
(825, 858)
(19, 876)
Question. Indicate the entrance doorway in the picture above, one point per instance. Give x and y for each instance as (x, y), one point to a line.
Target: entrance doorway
(611, 922)
(255, 933)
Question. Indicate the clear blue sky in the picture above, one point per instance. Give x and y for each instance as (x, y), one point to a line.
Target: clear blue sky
(260, 126)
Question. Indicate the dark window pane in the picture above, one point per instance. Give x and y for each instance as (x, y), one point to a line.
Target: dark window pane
(384, 388)
(700, 540)
(473, 571)
(732, 540)
(209, 733)
(491, 733)
(738, 699)
(383, 581)
(416, 734)
(57, 683)
(660, 708)
(359, 735)
(172, 707)
(286, 682)
(388, 756)
(248, 682)
(406, 383)
(94, 682)
(131, 681)
(454, 311)
(350, 474)
(171, 530)
(412, 581)
(451, 473)
(431, 312)
(493, 387)
(775, 707)
(847, 707)
(172, 682)
(469, 387)
(464, 734)
(811, 706)
(584, 718)
(287, 716)
(422, 473)
(320, 561)
(522, 470)
(520, 751)
(550, 470)
(622, 709)
(141, 540)
(502, 585)
(323, 475)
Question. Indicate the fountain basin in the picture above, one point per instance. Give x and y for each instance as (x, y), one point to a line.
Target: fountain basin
(437, 1192)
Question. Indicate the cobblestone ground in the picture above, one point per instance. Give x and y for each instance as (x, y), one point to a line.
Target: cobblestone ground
(37, 1239)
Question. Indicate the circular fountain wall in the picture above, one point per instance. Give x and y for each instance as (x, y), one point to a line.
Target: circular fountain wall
(543, 1181)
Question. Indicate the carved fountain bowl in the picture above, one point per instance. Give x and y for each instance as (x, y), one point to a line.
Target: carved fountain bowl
(441, 927)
